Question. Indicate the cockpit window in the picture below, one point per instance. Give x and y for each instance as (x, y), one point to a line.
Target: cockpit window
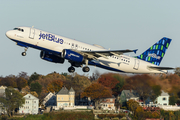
(19, 29)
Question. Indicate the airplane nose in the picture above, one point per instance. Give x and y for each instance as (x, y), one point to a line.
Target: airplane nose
(8, 34)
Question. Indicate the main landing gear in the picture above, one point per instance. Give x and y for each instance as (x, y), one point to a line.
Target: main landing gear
(24, 53)
(72, 69)
(84, 69)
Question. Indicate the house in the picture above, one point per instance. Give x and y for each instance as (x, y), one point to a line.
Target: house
(30, 106)
(83, 101)
(107, 103)
(65, 97)
(49, 100)
(163, 99)
(2, 91)
(127, 95)
(2, 94)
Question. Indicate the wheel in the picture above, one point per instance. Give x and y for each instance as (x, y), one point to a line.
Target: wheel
(23, 53)
(71, 69)
(86, 69)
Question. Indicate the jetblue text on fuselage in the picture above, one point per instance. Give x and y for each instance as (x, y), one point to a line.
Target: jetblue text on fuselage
(50, 37)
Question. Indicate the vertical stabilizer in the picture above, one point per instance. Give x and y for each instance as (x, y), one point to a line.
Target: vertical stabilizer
(156, 52)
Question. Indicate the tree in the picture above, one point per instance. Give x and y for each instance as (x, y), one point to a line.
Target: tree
(96, 91)
(36, 87)
(55, 86)
(79, 82)
(33, 77)
(172, 100)
(177, 71)
(94, 76)
(21, 83)
(12, 100)
(156, 92)
(140, 83)
(118, 87)
(9, 81)
(23, 75)
(108, 80)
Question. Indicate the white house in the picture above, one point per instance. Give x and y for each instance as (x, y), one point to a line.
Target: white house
(30, 106)
(49, 100)
(163, 99)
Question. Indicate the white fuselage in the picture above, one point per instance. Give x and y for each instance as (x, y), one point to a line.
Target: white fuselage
(54, 43)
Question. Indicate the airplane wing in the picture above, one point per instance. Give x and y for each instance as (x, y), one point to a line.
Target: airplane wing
(161, 68)
(103, 53)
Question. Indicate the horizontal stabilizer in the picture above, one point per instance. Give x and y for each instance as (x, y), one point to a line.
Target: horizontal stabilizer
(161, 68)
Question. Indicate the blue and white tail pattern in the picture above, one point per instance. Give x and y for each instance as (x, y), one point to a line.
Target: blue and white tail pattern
(156, 52)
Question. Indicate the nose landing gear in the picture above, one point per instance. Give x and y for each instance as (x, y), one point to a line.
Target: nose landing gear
(24, 53)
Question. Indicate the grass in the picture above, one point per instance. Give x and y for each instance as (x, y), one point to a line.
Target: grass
(83, 115)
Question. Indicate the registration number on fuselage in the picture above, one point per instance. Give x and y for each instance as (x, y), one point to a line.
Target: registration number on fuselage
(50, 37)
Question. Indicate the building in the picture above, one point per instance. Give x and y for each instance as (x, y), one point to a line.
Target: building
(107, 103)
(2, 94)
(163, 99)
(31, 105)
(49, 100)
(127, 95)
(65, 97)
(2, 91)
(83, 101)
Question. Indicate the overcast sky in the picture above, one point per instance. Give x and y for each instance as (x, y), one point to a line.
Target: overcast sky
(114, 24)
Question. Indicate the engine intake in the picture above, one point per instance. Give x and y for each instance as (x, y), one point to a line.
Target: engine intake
(51, 57)
(72, 56)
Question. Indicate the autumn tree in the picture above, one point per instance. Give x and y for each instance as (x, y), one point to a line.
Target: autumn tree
(132, 105)
(21, 83)
(141, 85)
(78, 82)
(9, 81)
(96, 91)
(55, 86)
(177, 71)
(12, 100)
(108, 80)
(23, 75)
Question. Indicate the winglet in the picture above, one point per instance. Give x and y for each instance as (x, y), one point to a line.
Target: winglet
(135, 51)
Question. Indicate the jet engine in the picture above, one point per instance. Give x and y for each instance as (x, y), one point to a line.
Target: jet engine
(72, 56)
(51, 57)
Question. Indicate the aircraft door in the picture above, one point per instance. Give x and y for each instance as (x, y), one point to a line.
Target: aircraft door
(136, 64)
(32, 33)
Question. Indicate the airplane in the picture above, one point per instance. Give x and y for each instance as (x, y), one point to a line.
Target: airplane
(57, 49)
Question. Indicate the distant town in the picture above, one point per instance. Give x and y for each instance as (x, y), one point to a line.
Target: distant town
(99, 96)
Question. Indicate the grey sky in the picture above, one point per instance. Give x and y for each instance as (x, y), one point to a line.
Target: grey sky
(117, 24)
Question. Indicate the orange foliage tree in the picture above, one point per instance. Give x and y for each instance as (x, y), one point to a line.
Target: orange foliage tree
(55, 85)
(108, 80)
(96, 91)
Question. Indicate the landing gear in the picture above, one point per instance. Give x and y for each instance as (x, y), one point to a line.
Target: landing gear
(24, 53)
(86, 69)
(71, 69)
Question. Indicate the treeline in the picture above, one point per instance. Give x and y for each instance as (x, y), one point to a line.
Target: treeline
(97, 85)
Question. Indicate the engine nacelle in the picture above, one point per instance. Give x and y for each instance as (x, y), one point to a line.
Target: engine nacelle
(72, 56)
(50, 57)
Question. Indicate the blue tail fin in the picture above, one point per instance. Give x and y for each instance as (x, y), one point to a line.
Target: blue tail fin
(156, 52)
